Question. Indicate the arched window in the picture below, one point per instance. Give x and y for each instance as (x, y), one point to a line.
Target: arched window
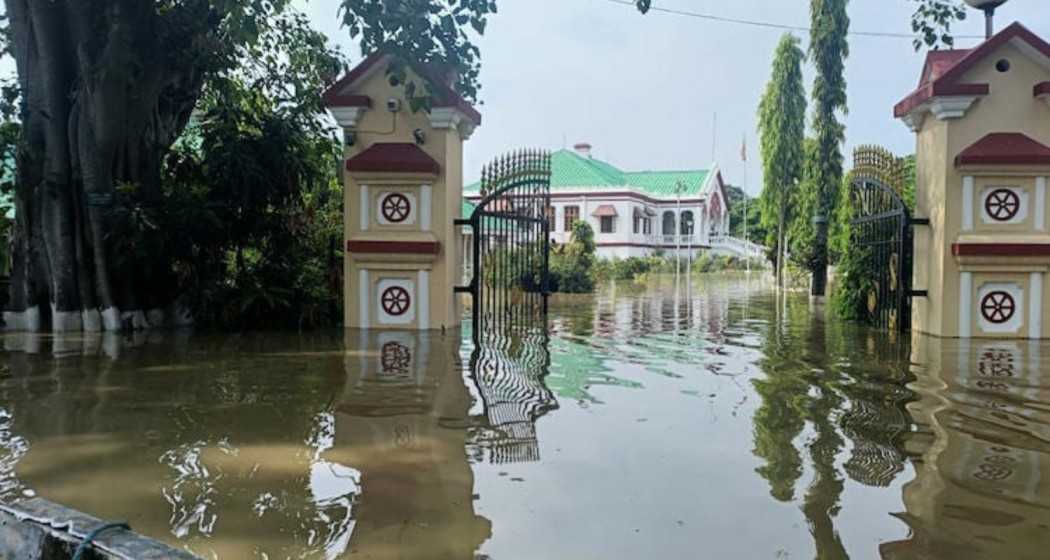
(668, 223)
(687, 222)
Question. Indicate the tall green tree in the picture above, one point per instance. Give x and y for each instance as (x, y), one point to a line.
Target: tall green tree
(107, 86)
(782, 128)
(802, 235)
(828, 49)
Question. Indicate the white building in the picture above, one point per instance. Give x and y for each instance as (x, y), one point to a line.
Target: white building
(633, 213)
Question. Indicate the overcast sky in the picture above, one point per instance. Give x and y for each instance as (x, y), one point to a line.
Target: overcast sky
(644, 89)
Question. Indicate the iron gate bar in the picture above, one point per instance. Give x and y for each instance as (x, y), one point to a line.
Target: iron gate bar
(509, 288)
(882, 233)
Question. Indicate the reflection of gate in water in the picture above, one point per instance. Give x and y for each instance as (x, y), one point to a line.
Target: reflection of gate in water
(509, 379)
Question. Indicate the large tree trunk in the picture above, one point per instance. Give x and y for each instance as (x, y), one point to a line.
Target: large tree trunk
(106, 89)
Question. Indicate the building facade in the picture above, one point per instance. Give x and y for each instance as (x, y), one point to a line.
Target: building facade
(633, 214)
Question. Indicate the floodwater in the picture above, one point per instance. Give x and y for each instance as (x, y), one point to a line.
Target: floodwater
(719, 423)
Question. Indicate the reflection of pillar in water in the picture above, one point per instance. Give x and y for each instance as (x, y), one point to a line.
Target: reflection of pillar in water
(402, 423)
(981, 488)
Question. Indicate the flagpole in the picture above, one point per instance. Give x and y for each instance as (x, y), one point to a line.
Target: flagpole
(747, 244)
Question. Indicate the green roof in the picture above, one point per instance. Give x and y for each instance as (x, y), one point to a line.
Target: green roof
(571, 171)
(467, 209)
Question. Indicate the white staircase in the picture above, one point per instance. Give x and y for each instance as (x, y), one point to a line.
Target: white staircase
(728, 245)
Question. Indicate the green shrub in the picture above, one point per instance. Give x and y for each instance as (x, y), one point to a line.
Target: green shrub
(572, 264)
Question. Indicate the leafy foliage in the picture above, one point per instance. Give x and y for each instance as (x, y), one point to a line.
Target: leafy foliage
(755, 228)
(627, 269)
(782, 127)
(932, 23)
(828, 48)
(707, 263)
(802, 236)
(251, 203)
(432, 33)
(572, 264)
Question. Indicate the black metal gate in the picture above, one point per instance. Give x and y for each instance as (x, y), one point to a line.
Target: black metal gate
(882, 241)
(511, 246)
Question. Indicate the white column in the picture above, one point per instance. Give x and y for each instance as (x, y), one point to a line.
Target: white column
(364, 203)
(364, 303)
(423, 290)
(1035, 305)
(967, 203)
(1040, 203)
(424, 207)
(965, 303)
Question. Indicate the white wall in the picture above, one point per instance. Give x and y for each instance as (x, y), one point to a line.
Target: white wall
(623, 242)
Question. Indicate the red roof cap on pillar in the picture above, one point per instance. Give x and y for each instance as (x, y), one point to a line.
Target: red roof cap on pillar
(343, 92)
(1004, 148)
(943, 69)
(394, 157)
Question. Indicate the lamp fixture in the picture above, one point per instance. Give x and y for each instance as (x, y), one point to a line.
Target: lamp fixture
(988, 7)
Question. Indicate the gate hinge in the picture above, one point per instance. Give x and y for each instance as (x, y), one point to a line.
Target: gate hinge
(918, 293)
(461, 222)
(920, 221)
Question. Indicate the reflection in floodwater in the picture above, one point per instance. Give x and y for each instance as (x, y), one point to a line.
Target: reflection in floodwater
(509, 377)
(655, 422)
(982, 448)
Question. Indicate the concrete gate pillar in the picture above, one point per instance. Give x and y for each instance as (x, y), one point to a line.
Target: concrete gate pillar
(403, 187)
(982, 120)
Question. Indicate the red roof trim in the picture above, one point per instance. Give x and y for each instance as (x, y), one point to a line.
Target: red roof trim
(1042, 89)
(1001, 249)
(445, 96)
(935, 89)
(944, 84)
(392, 157)
(1004, 148)
(332, 96)
(394, 247)
(1014, 31)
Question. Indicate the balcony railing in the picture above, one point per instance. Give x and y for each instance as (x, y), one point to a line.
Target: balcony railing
(683, 240)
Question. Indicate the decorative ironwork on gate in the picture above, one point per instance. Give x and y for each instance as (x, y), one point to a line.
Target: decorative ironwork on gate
(511, 246)
(881, 236)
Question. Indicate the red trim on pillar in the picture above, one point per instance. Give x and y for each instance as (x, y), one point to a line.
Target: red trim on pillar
(394, 157)
(1004, 148)
(394, 247)
(1001, 249)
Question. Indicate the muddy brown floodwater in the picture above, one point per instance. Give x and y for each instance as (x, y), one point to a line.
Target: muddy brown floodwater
(719, 423)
